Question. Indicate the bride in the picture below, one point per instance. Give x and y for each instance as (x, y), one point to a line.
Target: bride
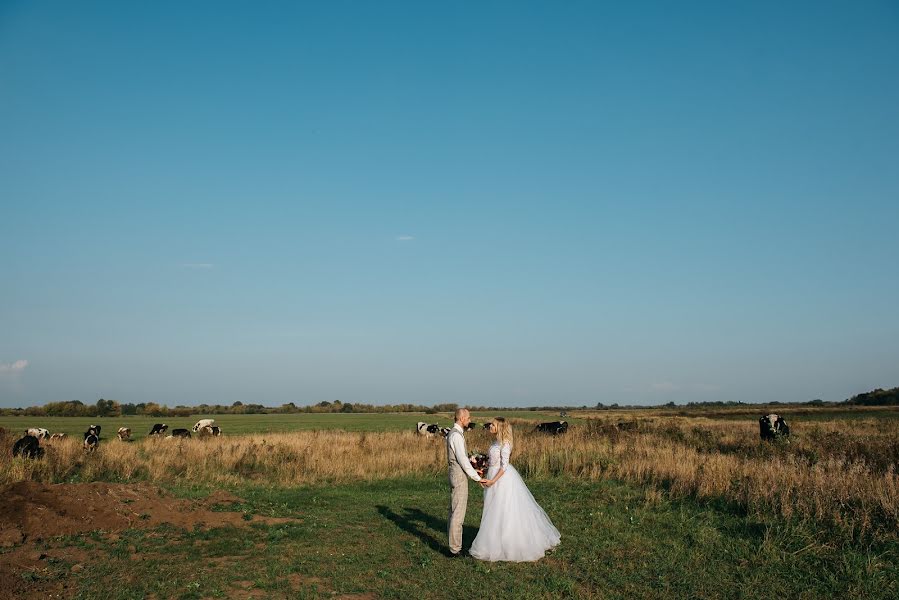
(513, 526)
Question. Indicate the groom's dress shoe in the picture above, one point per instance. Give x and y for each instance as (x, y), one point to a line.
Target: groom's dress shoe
(462, 554)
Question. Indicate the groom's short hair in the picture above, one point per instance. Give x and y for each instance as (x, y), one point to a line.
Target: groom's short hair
(459, 413)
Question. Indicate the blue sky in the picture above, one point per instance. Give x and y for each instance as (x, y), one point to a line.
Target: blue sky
(482, 203)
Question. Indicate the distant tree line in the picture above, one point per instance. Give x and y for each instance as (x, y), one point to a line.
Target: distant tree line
(112, 408)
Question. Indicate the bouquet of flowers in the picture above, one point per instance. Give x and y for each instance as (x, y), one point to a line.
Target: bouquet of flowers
(479, 462)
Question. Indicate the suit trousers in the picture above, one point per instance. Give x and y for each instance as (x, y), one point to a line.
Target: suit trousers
(457, 507)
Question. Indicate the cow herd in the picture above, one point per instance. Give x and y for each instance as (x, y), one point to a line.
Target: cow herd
(771, 427)
(29, 445)
(432, 429)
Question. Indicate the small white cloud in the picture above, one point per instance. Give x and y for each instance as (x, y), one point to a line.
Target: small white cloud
(405, 238)
(665, 386)
(197, 266)
(13, 368)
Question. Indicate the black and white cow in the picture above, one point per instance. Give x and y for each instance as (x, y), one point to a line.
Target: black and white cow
(93, 430)
(38, 432)
(444, 431)
(427, 429)
(91, 441)
(772, 427)
(159, 429)
(554, 427)
(203, 423)
(181, 433)
(210, 430)
(28, 447)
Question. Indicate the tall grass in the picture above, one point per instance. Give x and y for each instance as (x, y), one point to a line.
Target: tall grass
(842, 473)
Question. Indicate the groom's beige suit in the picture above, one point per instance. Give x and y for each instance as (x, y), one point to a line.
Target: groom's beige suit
(459, 467)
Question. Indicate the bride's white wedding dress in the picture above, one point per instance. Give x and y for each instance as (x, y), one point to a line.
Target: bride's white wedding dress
(513, 526)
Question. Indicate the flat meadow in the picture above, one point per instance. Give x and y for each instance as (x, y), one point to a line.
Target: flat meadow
(651, 504)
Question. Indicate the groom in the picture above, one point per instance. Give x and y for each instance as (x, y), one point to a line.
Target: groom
(459, 467)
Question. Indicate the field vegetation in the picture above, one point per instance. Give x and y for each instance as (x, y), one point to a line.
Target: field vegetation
(658, 495)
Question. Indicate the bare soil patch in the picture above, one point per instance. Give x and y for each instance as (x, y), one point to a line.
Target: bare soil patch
(31, 513)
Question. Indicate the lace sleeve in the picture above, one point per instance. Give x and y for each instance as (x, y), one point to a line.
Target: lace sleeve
(504, 455)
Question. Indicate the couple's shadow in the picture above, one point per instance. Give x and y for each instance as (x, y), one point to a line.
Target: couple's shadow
(425, 527)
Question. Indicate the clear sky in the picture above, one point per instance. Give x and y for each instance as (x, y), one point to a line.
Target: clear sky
(476, 202)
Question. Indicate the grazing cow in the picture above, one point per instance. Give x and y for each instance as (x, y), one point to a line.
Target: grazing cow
(38, 432)
(471, 425)
(427, 430)
(28, 447)
(203, 423)
(93, 430)
(210, 430)
(444, 431)
(124, 433)
(555, 427)
(58, 436)
(772, 427)
(91, 442)
(159, 429)
(181, 433)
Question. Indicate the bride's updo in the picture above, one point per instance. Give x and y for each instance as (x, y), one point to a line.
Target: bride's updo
(503, 430)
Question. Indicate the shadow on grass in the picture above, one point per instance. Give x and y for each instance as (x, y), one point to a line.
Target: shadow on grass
(425, 526)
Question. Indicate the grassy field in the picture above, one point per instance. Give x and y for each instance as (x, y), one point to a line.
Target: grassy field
(670, 507)
(386, 539)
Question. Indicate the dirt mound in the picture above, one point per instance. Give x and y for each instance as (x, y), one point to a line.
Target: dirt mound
(31, 512)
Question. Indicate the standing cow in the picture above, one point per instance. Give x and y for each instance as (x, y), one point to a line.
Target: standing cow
(28, 447)
(772, 427)
(124, 433)
(38, 432)
(554, 427)
(203, 423)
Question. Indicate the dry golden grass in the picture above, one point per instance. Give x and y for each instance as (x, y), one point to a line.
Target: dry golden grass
(842, 473)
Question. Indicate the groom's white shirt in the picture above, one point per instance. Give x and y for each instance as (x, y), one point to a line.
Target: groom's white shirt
(457, 444)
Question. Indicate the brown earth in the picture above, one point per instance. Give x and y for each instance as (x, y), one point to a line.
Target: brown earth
(31, 513)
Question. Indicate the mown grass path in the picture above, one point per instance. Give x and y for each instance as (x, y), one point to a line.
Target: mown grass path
(387, 540)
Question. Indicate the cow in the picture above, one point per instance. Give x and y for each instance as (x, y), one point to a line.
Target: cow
(58, 436)
(554, 427)
(471, 425)
(91, 441)
(444, 431)
(772, 427)
(158, 429)
(210, 430)
(124, 433)
(181, 433)
(28, 447)
(427, 430)
(93, 430)
(38, 432)
(203, 423)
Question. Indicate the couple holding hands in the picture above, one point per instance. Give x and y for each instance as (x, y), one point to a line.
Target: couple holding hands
(513, 526)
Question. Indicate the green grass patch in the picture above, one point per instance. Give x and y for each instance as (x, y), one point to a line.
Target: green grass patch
(388, 539)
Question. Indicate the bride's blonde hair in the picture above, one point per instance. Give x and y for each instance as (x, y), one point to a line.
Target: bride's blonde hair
(503, 430)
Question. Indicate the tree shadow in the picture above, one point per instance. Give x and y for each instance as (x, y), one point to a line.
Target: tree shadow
(425, 526)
